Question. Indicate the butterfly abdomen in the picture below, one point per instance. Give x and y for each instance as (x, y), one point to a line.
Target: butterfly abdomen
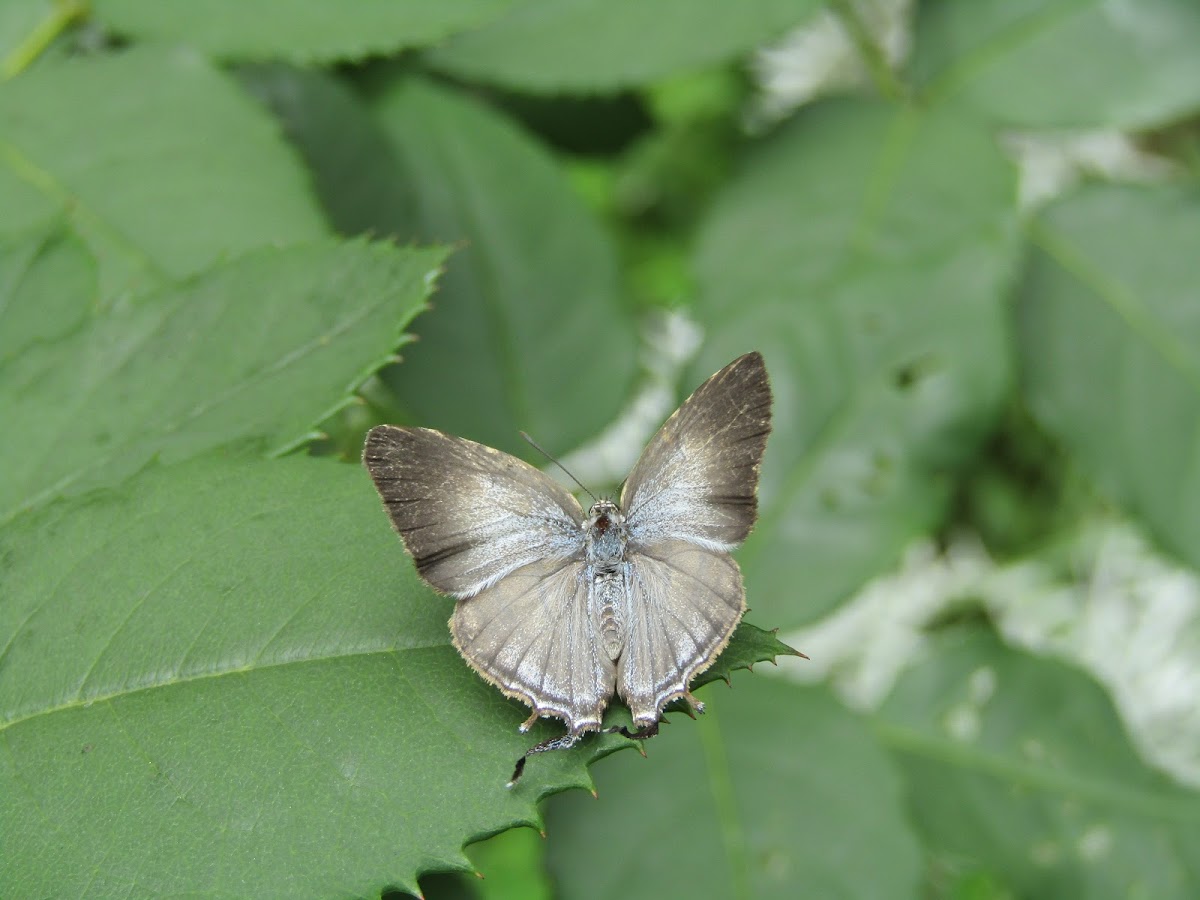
(608, 591)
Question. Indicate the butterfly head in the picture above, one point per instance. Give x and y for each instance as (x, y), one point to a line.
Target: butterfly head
(605, 530)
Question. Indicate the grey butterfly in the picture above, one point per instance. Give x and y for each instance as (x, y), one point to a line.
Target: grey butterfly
(560, 608)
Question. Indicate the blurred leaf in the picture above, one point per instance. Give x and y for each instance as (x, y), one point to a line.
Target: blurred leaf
(354, 170)
(47, 287)
(234, 683)
(178, 168)
(1064, 63)
(303, 32)
(257, 351)
(512, 866)
(777, 791)
(1020, 764)
(605, 45)
(1023, 491)
(527, 331)
(1110, 345)
(871, 273)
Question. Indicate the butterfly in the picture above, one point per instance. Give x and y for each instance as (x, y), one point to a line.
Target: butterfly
(560, 608)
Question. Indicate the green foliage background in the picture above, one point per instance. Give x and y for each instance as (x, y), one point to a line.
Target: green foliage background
(220, 222)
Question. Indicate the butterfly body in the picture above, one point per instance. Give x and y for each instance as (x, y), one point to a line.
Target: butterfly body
(563, 609)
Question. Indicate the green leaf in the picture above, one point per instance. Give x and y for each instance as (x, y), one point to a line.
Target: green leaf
(258, 351)
(1063, 63)
(512, 866)
(749, 645)
(179, 167)
(528, 330)
(225, 678)
(284, 29)
(871, 274)
(354, 169)
(776, 791)
(1019, 765)
(606, 45)
(258, 698)
(47, 285)
(1109, 339)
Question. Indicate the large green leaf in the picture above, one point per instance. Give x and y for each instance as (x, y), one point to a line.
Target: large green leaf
(224, 678)
(1064, 63)
(604, 45)
(354, 168)
(866, 251)
(258, 351)
(1110, 347)
(777, 792)
(178, 169)
(1019, 767)
(285, 29)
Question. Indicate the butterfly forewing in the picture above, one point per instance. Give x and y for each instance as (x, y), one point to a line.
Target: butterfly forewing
(469, 514)
(697, 479)
(692, 497)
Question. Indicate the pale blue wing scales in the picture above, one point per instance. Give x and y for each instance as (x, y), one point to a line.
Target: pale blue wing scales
(469, 514)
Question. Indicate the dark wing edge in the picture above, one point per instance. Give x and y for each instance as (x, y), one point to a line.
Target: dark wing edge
(697, 479)
(468, 514)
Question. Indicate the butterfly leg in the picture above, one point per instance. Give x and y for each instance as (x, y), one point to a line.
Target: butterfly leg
(565, 742)
(641, 734)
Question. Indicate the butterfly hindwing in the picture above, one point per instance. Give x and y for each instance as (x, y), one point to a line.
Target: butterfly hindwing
(684, 603)
(533, 636)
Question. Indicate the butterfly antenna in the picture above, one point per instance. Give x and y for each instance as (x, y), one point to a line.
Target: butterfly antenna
(538, 447)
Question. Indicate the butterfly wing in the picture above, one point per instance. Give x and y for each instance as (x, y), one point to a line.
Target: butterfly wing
(469, 515)
(697, 479)
(684, 602)
(692, 497)
(532, 635)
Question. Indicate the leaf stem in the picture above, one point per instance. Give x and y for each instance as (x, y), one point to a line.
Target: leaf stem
(1025, 776)
(881, 72)
(62, 14)
(719, 782)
